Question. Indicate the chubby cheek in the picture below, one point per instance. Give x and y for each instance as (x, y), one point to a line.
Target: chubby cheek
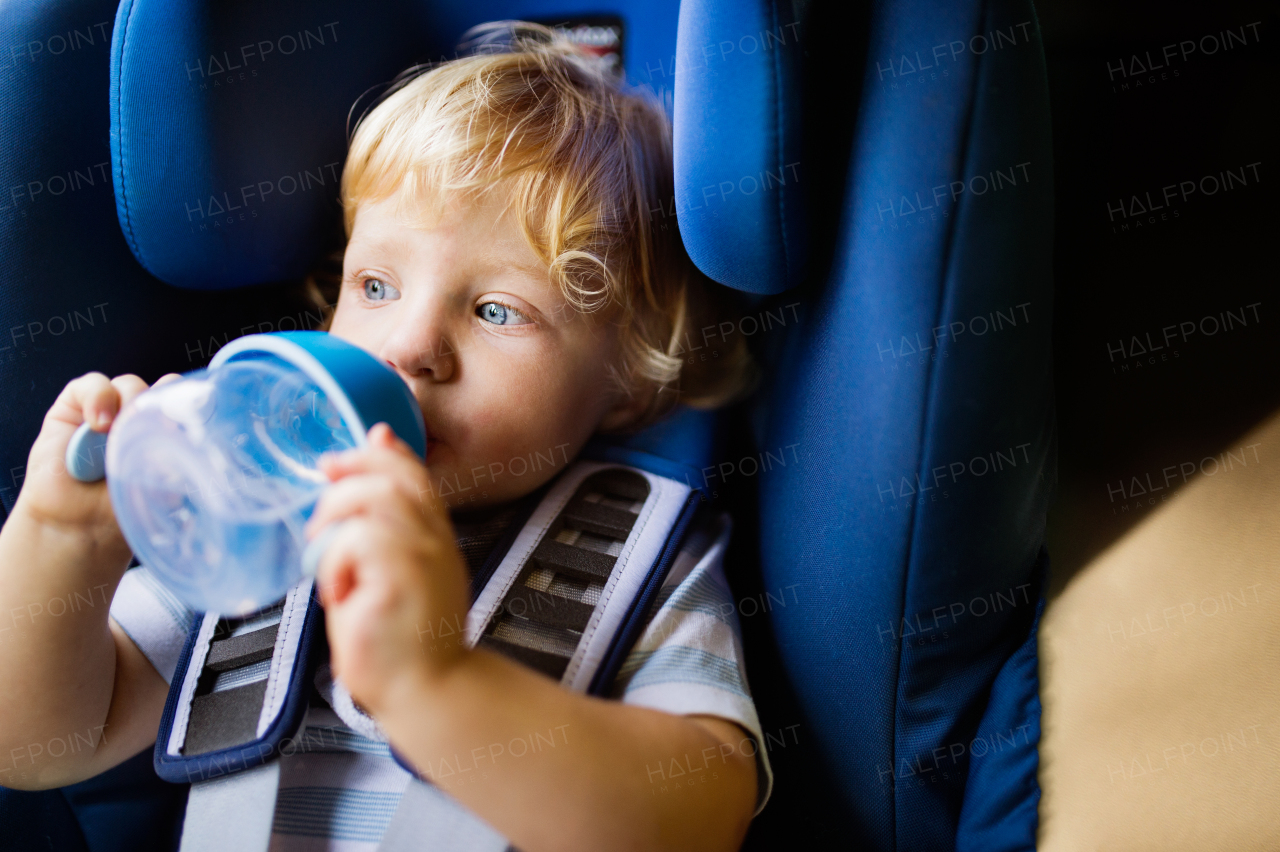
(524, 428)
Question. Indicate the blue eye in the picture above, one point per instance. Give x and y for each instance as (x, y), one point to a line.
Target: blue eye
(500, 314)
(376, 290)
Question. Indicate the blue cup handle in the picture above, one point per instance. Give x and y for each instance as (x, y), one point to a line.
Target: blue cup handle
(316, 547)
(86, 457)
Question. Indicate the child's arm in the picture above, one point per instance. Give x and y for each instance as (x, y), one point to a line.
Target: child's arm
(79, 697)
(595, 788)
(392, 570)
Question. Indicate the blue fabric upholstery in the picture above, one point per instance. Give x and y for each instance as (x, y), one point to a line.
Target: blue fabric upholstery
(738, 167)
(128, 808)
(39, 822)
(125, 809)
(911, 525)
(1002, 791)
(229, 128)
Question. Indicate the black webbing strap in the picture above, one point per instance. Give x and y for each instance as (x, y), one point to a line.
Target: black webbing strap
(542, 617)
(232, 688)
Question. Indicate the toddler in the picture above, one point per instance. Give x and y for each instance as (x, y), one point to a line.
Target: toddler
(504, 260)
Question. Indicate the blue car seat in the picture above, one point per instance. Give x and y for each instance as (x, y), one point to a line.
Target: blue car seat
(877, 179)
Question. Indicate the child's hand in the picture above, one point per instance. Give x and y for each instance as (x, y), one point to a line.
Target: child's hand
(49, 494)
(392, 574)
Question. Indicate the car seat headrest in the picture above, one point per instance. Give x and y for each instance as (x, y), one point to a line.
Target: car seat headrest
(738, 170)
(228, 129)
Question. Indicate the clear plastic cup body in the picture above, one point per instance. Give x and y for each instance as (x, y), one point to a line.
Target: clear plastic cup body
(213, 476)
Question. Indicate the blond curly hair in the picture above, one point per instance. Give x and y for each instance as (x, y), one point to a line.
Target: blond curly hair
(587, 165)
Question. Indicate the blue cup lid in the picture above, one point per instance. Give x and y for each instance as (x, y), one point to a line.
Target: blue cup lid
(362, 388)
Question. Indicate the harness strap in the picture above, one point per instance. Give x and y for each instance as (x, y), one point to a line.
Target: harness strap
(567, 598)
(239, 692)
(232, 812)
(560, 596)
(427, 820)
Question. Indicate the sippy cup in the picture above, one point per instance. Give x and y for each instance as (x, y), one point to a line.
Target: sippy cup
(213, 476)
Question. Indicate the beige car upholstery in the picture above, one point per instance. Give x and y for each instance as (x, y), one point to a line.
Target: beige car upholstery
(1160, 669)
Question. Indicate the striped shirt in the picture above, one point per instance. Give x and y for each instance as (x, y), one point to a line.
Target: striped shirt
(339, 785)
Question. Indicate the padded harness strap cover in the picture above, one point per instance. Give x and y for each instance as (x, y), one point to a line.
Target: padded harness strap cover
(240, 689)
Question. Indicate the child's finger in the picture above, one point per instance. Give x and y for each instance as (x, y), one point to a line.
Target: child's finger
(376, 458)
(128, 387)
(383, 435)
(381, 439)
(356, 558)
(336, 570)
(365, 494)
(90, 398)
(348, 497)
(95, 399)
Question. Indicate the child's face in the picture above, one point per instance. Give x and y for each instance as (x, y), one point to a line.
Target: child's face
(512, 381)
